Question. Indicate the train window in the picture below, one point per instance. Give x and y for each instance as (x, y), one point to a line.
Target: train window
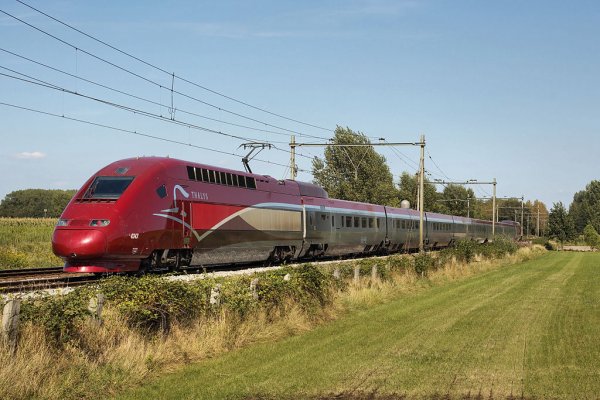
(191, 173)
(348, 222)
(357, 222)
(364, 222)
(108, 187)
(250, 183)
(223, 178)
(371, 223)
(323, 217)
(205, 175)
(161, 191)
(242, 180)
(333, 221)
(211, 176)
(229, 180)
(234, 179)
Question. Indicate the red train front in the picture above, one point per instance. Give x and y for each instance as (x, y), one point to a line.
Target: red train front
(149, 213)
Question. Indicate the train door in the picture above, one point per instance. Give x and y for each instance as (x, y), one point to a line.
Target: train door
(185, 230)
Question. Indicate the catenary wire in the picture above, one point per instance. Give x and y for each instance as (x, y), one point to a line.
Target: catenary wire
(39, 82)
(154, 82)
(170, 73)
(137, 133)
(135, 96)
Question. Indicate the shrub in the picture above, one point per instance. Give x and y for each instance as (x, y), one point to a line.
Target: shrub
(422, 263)
(60, 316)
(591, 236)
(152, 303)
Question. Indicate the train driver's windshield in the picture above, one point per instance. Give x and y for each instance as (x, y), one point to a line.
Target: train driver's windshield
(108, 187)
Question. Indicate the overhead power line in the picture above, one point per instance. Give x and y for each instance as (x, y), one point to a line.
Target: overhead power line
(135, 96)
(133, 132)
(171, 90)
(173, 74)
(437, 166)
(36, 81)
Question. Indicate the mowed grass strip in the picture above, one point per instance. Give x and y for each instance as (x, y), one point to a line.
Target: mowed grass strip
(529, 330)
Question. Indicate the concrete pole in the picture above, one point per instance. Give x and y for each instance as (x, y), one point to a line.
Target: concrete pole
(494, 213)
(538, 221)
(468, 207)
(293, 158)
(421, 196)
(10, 323)
(522, 210)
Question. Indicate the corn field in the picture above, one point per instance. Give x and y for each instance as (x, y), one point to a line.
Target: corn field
(26, 243)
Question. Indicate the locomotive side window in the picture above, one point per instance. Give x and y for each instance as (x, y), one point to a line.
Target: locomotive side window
(221, 177)
(161, 191)
(108, 187)
(371, 223)
(191, 173)
(357, 222)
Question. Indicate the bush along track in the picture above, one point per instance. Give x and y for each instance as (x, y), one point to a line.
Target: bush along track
(150, 325)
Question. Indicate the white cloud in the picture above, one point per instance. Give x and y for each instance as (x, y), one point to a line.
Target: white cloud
(34, 155)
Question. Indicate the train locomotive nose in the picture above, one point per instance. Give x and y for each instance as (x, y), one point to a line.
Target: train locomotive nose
(78, 243)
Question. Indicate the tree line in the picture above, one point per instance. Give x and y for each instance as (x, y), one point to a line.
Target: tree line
(581, 218)
(35, 203)
(361, 174)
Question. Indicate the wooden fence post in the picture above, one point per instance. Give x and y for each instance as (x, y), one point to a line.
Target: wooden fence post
(215, 295)
(356, 273)
(374, 273)
(253, 288)
(95, 307)
(336, 273)
(10, 323)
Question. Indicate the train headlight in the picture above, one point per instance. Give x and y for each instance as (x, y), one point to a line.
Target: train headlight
(62, 222)
(99, 222)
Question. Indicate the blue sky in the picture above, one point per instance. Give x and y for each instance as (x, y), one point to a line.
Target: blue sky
(504, 89)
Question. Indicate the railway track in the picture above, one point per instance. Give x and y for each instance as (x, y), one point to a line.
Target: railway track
(33, 279)
(7, 273)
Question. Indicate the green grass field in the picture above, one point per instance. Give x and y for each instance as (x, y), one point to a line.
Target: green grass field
(528, 330)
(26, 243)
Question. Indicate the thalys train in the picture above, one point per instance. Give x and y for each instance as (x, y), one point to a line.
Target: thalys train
(154, 213)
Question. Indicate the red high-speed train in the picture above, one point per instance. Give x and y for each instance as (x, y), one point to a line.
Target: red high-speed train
(153, 213)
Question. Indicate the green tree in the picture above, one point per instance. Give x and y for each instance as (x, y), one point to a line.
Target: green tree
(585, 208)
(454, 199)
(33, 202)
(355, 173)
(560, 224)
(591, 236)
(409, 189)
